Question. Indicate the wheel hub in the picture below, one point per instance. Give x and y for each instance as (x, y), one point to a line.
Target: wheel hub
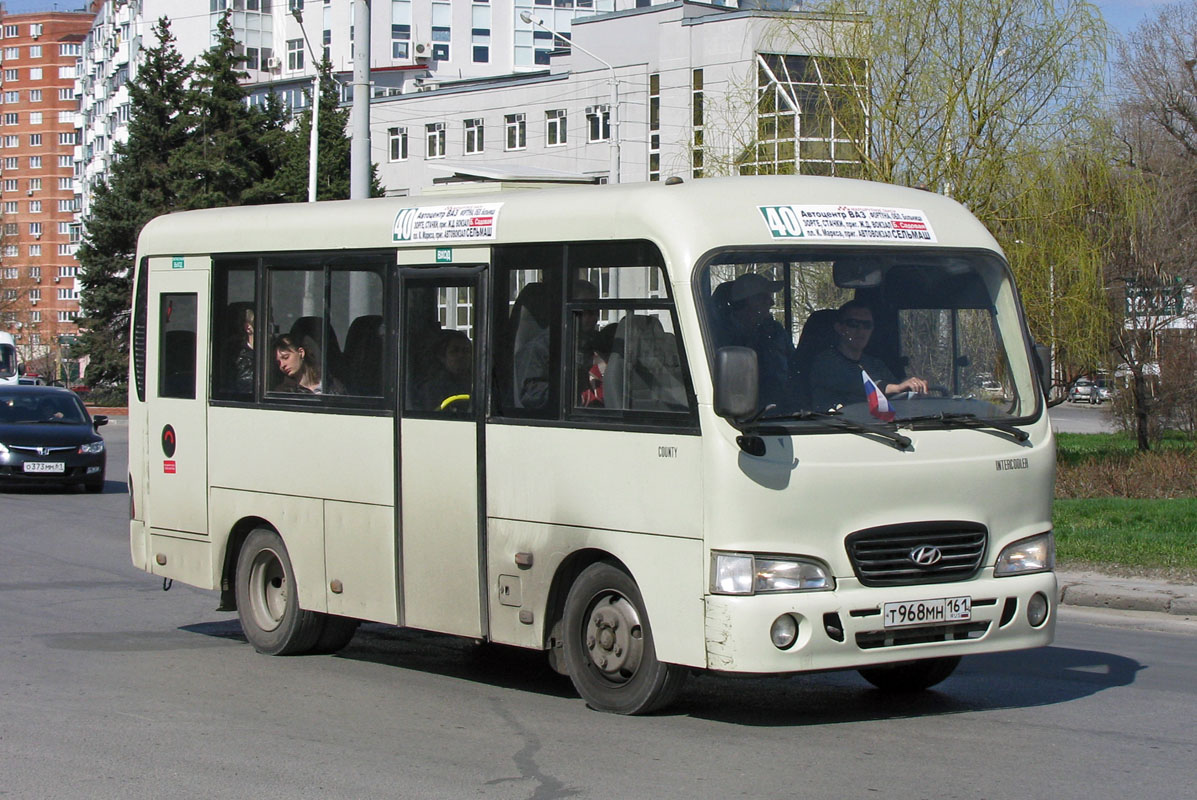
(615, 638)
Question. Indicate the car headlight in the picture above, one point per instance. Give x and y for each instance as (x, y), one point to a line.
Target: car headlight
(745, 573)
(1033, 554)
(92, 447)
(3, 449)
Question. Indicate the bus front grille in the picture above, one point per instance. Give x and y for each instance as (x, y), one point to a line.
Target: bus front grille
(870, 640)
(905, 555)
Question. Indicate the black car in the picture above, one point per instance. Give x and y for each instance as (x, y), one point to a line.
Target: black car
(47, 436)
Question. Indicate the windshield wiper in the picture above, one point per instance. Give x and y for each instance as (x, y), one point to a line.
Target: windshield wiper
(838, 422)
(962, 420)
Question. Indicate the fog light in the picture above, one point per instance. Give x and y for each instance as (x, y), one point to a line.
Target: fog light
(784, 631)
(1037, 609)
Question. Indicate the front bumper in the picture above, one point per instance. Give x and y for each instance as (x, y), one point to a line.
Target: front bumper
(77, 468)
(737, 628)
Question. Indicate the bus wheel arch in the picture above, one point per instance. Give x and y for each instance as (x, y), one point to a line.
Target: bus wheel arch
(567, 572)
(608, 647)
(268, 598)
(232, 550)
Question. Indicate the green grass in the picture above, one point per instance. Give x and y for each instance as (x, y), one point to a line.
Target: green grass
(1128, 535)
(1073, 448)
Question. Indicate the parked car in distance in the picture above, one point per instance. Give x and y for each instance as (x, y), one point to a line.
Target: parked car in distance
(47, 437)
(1082, 391)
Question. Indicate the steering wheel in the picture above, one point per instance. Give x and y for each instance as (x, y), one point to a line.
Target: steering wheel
(452, 400)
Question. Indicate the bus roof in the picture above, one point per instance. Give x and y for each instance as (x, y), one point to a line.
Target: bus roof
(692, 218)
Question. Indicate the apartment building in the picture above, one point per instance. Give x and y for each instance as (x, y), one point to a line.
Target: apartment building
(39, 294)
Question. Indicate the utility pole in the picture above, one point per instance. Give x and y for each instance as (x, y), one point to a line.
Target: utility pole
(359, 145)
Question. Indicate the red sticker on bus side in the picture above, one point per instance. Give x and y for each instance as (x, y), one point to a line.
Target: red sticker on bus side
(168, 467)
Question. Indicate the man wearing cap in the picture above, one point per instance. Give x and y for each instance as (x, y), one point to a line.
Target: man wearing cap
(751, 324)
(840, 375)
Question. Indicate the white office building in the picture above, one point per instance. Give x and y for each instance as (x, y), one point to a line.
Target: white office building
(471, 88)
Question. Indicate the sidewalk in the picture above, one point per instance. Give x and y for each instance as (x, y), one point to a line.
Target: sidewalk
(1132, 594)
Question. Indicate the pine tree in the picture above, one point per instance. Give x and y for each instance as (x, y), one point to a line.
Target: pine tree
(332, 169)
(136, 190)
(226, 155)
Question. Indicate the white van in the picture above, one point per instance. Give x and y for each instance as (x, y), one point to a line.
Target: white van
(749, 425)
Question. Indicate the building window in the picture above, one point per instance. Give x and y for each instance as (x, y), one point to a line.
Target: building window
(434, 133)
(70, 49)
(397, 143)
(66, 138)
(12, 119)
(442, 17)
(67, 316)
(35, 118)
(10, 75)
(35, 229)
(35, 184)
(295, 54)
(811, 117)
(35, 273)
(66, 161)
(10, 31)
(12, 97)
(36, 29)
(35, 162)
(654, 127)
(697, 119)
(10, 206)
(65, 184)
(474, 138)
(598, 123)
(35, 95)
(10, 184)
(35, 73)
(35, 250)
(35, 51)
(516, 130)
(480, 32)
(66, 94)
(35, 140)
(11, 162)
(554, 127)
(12, 141)
(35, 206)
(35, 316)
(400, 29)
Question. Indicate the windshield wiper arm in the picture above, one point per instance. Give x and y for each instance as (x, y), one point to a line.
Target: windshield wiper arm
(841, 423)
(963, 420)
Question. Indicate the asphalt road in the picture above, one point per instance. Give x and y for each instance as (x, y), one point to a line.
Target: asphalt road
(112, 688)
(1082, 418)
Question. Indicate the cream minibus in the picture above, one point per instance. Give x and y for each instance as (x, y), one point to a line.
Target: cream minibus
(746, 425)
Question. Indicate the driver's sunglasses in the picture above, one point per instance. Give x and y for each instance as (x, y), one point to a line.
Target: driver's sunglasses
(861, 324)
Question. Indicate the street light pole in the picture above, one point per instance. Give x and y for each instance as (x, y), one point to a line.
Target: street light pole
(528, 18)
(314, 141)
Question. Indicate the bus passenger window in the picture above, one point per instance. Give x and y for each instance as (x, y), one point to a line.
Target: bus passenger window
(176, 333)
(234, 330)
(626, 353)
(438, 351)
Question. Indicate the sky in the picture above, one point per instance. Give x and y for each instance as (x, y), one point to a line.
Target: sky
(1123, 15)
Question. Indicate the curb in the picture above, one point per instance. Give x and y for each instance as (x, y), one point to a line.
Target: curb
(112, 411)
(1093, 590)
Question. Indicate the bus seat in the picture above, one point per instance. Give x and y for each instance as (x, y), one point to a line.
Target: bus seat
(644, 371)
(528, 322)
(363, 355)
(818, 334)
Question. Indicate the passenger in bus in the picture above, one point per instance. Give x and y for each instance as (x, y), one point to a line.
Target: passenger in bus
(841, 373)
(750, 323)
(598, 346)
(452, 375)
(241, 349)
(299, 361)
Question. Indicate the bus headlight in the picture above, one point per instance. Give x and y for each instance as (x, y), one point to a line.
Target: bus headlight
(1033, 554)
(745, 573)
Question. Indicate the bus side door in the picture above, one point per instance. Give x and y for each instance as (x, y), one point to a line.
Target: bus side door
(442, 535)
(177, 469)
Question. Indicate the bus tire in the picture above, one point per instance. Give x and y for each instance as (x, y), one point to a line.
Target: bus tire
(912, 676)
(336, 634)
(608, 646)
(268, 598)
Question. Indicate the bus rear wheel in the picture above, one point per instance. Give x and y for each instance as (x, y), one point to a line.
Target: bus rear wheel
(912, 676)
(608, 646)
(268, 598)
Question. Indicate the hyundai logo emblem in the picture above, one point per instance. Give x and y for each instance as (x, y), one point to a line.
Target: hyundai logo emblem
(926, 555)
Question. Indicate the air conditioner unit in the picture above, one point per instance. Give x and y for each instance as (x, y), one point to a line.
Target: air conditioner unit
(273, 63)
(422, 50)
(32, 301)
(37, 236)
(57, 279)
(29, 192)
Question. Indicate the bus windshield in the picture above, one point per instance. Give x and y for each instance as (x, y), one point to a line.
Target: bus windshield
(898, 335)
(8, 360)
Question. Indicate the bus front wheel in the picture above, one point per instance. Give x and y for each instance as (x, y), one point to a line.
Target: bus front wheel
(268, 599)
(608, 646)
(912, 676)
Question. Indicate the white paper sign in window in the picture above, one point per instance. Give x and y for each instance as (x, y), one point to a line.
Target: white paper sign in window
(848, 223)
(447, 223)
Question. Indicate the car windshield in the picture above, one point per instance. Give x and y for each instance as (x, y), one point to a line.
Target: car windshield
(889, 335)
(34, 407)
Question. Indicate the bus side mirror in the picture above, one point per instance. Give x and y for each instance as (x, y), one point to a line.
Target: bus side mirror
(1043, 363)
(736, 379)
